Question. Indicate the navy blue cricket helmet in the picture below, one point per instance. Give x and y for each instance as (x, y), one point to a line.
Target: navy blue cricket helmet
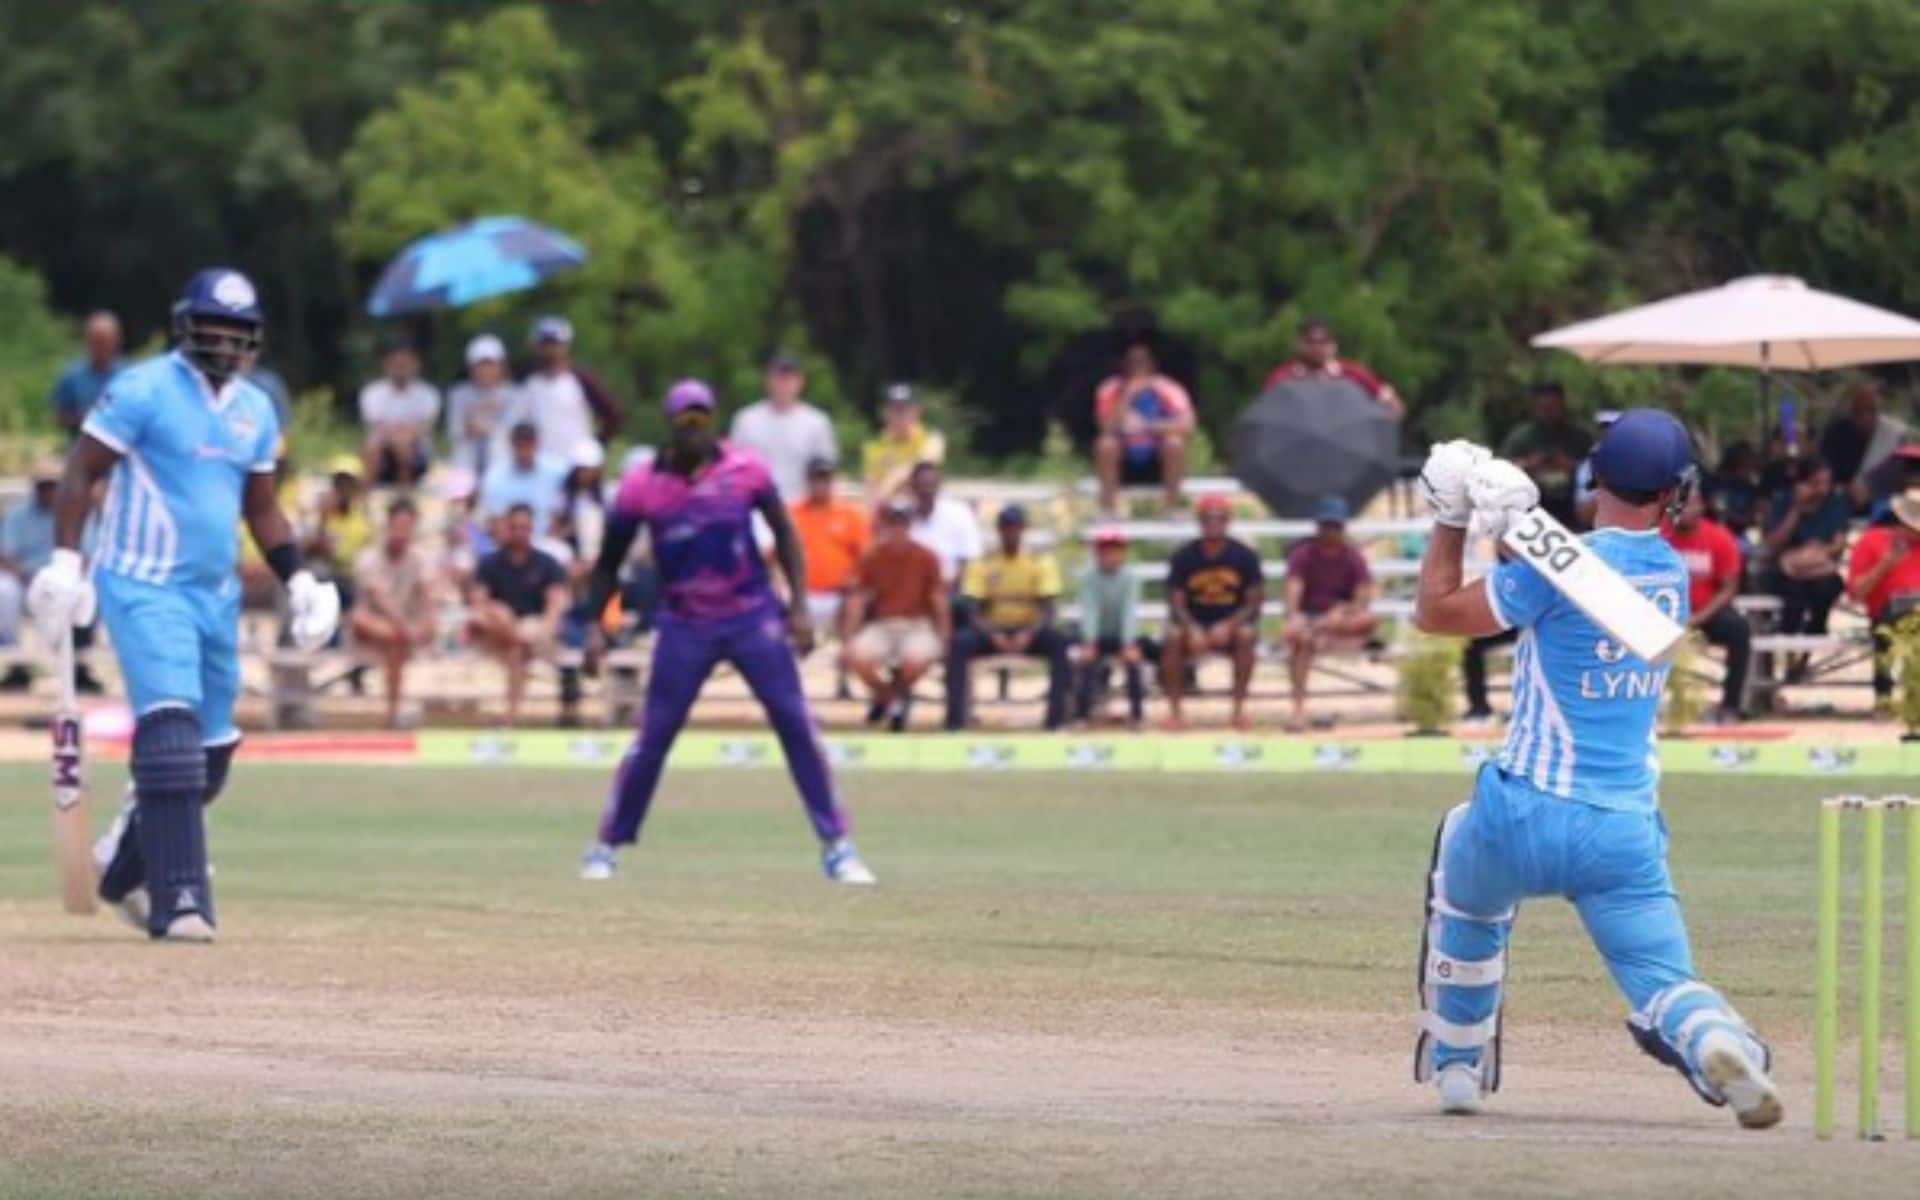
(218, 322)
(1646, 452)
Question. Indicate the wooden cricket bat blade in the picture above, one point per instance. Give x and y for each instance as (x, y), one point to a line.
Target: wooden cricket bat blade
(1576, 572)
(72, 820)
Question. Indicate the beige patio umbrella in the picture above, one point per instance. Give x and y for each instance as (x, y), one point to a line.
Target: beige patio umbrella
(1760, 321)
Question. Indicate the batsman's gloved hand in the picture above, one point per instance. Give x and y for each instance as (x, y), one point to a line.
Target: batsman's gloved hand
(61, 596)
(1443, 480)
(1500, 492)
(314, 608)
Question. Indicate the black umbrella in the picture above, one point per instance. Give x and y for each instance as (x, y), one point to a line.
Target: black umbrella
(1307, 438)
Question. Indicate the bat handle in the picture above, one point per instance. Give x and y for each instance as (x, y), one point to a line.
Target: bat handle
(63, 654)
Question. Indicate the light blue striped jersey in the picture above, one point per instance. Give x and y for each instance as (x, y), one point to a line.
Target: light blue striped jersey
(173, 500)
(1584, 706)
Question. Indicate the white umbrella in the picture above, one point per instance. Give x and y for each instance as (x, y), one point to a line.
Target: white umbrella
(1761, 321)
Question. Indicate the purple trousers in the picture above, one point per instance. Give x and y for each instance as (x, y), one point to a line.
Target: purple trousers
(684, 654)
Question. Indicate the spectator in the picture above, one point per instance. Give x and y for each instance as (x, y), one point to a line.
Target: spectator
(1473, 674)
(898, 604)
(394, 608)
(567, 404)
(1214, 592)
(1847, 438)
(82, 380)
(463, 537)
(1714, 570)
(1145, 420)
(904, 444)
(517, 599)
(1317, 356)
(341, 529)
(1806, 533)
(943, 525)
(1732, 491)
(477, 406)
(525, 477)
(1898, 475)
(784, 430)
(1548, 448)
(1884, 575)
(1109, 627)
(26, 544)
(1329, 599)
(1584, 501)
(833, 536)
(583, 500)
(1013, 594)
(398, 410)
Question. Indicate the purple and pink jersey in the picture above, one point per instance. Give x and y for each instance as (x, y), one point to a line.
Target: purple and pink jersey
(702, 531)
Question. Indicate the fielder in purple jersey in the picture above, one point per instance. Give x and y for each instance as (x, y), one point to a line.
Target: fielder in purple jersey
(697, 501)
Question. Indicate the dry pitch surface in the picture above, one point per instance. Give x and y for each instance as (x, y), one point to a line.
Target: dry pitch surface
(1067, 986)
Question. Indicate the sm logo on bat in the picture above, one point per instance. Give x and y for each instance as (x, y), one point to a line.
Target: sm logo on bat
(66, 761)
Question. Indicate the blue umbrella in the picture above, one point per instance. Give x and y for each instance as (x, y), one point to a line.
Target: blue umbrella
(487, 257)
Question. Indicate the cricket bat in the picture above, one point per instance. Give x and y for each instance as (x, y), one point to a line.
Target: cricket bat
(1538, 538)
(72, 824)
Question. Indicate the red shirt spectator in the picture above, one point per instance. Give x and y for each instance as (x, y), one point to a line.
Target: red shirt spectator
(1330, 574)
(1317, 355)
(1900, 579)
(1712, 557)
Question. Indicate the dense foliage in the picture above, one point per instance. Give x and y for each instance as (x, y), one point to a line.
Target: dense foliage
(959, 192)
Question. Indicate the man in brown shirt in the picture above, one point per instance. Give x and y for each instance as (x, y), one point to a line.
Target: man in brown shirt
(393, 605)
(899, 605)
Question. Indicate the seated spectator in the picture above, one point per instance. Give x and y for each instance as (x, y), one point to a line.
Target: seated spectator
(1549, 447)
(1714, 571)
(1584, 501)
(1806, 534)
(583, 501)
(1884, 575)
(399, 410)
(1317, 356)
(942, 524)
(463, 537)
(566, 404)
(394, 607)
(833, 534)
(82, 380)
(517, 598)
(26, 545)
(525, 477)
(1847, 438)
(1145, 421)
(897, 603)
(784, 430)
(1732, 490)
(1473, 675)
(1214, 593)
(478, 405)
(1013, 594)
(1109, 628)
(903, 444)
(1329, 599)
(341, 528)
(1898, 475)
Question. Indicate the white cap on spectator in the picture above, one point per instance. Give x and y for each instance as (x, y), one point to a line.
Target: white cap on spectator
(588, 454)
(485, 348)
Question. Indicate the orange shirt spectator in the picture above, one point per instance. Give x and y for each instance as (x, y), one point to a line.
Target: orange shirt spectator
(834, 535)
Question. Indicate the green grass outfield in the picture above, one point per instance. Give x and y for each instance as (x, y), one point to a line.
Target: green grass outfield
(414, 996)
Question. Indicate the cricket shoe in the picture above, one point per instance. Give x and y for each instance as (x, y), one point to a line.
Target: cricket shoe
(188, 927)
(132, 906)
(842, 864)
(1728, 1064)
(1459, 1087)
(598, 864)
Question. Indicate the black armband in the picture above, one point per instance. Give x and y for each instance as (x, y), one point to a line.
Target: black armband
(284, 559)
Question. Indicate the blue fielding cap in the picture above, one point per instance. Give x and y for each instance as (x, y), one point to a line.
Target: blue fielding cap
(221, 293)
(1332, 510)
(1646, 450)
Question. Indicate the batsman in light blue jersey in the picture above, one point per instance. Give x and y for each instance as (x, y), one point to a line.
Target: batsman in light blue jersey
(185, 447)
(1570, 807)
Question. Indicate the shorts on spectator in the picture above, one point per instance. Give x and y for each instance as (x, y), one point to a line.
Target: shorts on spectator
(1140, 465)
(533, 631)
(897, 639)
(386, 470)
(824, 609)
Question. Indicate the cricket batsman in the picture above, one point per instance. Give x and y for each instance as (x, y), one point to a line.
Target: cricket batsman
(1570, 806)
(697, 501)
(186, 446)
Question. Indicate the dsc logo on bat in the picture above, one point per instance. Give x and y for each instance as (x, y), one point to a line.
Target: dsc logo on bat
(1555, 549)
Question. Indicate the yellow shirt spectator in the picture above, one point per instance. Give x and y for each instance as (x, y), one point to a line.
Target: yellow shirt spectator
(904, 443)
(1008, 590)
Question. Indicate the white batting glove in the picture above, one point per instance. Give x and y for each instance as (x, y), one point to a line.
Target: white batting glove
(61, 596)
(315, 610)
(1443, 480)
(1500, 492)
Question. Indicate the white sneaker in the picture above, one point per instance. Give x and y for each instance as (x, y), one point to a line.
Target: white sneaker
(188, 927)
(1459, 1086)
(598, 864)
(842, 864)
(134, 906)
(1728, 1064)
